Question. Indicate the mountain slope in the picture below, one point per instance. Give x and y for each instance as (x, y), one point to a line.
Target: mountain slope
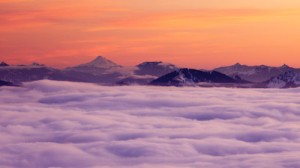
(187, 76)
(289, 79)
(4, 83)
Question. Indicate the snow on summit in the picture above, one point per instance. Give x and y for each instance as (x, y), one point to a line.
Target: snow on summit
(100, 62)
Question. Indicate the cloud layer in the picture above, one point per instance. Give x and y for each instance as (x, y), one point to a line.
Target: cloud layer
(63, 124)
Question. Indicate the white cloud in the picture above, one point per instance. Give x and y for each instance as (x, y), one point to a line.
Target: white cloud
(64, 124)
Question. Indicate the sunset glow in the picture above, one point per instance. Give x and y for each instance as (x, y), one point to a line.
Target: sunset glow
(200, 34)
(143, 84)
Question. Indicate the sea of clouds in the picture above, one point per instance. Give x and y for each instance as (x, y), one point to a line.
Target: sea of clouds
(64, 124)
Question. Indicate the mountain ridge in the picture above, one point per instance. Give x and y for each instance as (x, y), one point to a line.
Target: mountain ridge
(104, 71)
(191, 77)
(256, 74)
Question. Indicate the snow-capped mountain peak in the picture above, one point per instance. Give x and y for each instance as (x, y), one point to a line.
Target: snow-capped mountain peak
(100, 62)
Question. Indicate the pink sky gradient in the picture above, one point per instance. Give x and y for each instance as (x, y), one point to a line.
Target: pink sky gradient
(200, 34)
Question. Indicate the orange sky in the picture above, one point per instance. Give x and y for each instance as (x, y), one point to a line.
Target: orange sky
(193, 33)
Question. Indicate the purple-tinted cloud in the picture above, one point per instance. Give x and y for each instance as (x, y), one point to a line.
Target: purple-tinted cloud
(64, 124)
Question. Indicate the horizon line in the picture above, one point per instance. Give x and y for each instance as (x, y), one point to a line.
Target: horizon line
(220, 66)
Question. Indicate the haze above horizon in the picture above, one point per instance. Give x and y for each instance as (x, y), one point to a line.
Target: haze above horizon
(195, 34)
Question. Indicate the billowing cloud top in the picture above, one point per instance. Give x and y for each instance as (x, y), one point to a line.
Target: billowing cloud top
(62, 124)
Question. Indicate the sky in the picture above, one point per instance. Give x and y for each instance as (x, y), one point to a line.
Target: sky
(188, 33)
(67, 124)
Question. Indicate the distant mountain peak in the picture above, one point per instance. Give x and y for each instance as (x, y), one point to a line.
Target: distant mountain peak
(237, 64)
(100, 58)
(285, 66)
(100, 62)
(37, 64)
(3, 64)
